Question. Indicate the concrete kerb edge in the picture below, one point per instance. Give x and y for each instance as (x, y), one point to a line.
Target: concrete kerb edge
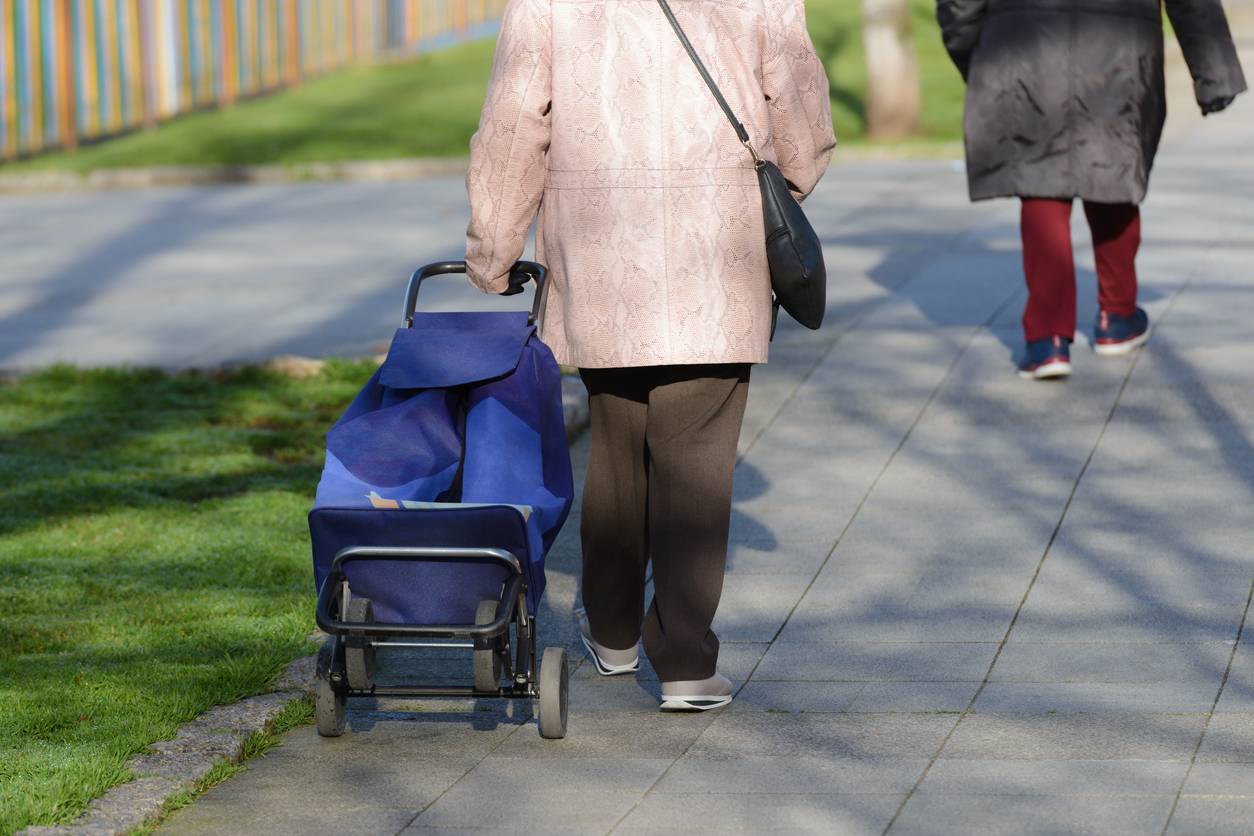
(359, 171)
(175, 765)
(108, 179)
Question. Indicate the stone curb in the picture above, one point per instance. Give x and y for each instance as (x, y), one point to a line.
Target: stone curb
(107, 179)
(173, 766)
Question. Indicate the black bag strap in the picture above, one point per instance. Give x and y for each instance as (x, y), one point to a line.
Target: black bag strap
(709, 82)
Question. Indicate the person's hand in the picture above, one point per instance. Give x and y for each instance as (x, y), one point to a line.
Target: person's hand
(1216, 105)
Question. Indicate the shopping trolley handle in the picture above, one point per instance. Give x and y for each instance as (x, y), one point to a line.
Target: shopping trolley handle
(521, 273)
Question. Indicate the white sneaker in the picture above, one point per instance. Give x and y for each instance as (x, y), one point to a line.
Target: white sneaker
(697, 695)
(608, 662)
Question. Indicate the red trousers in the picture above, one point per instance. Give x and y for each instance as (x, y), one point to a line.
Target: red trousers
(1049, 263)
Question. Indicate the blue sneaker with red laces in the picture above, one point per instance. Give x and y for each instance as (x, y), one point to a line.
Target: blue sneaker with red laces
(1047, 359)
(1114, 336)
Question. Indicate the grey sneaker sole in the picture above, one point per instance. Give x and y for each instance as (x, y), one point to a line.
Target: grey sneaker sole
(1125, 347)
(1049, 371)
(694, 703)
(606, 669)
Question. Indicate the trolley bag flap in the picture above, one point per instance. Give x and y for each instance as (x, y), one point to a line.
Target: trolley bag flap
(434, 590)
(411, 448)
(443, 350)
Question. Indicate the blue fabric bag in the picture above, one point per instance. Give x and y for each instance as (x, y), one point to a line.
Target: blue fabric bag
(458, 440)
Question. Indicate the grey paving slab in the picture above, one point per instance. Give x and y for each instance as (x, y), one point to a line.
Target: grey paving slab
(368, 789)
(832, 451)
(1108, 493)
(842, 582)
(1082, 697)
(1221, 779)
(503, 830)
(1069, 587)
(815, 624)
(1158, 548)
(779, 558)
(1078, 588)
(1103, 736)
(212, 819)
(935, 815)
(945, 697)
(758, 813)
(1143, 621)
(1008, 401)
(807, 526)
(1067, 778)
(738, 735)
(754, 612)
(1214, 451)
(622, 694)
(1212, 817)
(1112, 663)
(909, 526)
(1072, 571)
(888, 409)
(592, 793)
(887, 359)
(456, 734)
(1182, 355)
(773, 695)
(603, 734)
(1238, 693)
(944, 588)
(1035, 452)
(808, 775)
(1186, 402)
(1229, 739)
(861, 661)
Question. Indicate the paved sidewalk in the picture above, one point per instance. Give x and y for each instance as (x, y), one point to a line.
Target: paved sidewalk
(957, 602)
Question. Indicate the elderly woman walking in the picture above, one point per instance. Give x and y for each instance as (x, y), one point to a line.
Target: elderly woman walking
(1065, 100)
(650, 222)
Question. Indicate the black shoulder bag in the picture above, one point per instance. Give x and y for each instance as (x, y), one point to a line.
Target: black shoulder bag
(793, 251)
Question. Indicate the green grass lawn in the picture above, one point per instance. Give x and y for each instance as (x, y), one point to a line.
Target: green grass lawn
(425, 107)
(155, 561)
(429, 106)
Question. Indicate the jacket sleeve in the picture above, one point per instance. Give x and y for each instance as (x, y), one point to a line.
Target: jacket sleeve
(507, 153)
(1202, 29)
(799, 103)
(960, 23)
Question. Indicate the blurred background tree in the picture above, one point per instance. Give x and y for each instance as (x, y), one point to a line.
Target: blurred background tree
(892, 88)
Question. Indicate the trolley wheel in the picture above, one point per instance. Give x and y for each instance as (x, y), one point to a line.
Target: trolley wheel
(328, 702)
(359, 652)
(554, 693)
(487, 660)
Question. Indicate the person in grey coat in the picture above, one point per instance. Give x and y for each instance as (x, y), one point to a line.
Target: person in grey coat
(1065, 100)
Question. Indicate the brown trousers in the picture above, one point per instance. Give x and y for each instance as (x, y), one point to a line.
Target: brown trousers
(659, 487)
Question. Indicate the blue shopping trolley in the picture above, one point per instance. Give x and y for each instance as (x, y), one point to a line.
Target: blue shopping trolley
(446, 481)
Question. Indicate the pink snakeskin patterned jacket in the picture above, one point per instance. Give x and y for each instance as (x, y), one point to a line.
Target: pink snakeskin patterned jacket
(649, 212)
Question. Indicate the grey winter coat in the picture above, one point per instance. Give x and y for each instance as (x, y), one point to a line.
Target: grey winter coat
(1065, 98)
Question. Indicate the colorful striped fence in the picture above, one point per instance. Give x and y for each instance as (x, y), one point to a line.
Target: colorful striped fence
(81, 69)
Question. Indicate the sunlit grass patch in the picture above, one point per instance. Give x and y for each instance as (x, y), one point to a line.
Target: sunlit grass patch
(155, 557)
